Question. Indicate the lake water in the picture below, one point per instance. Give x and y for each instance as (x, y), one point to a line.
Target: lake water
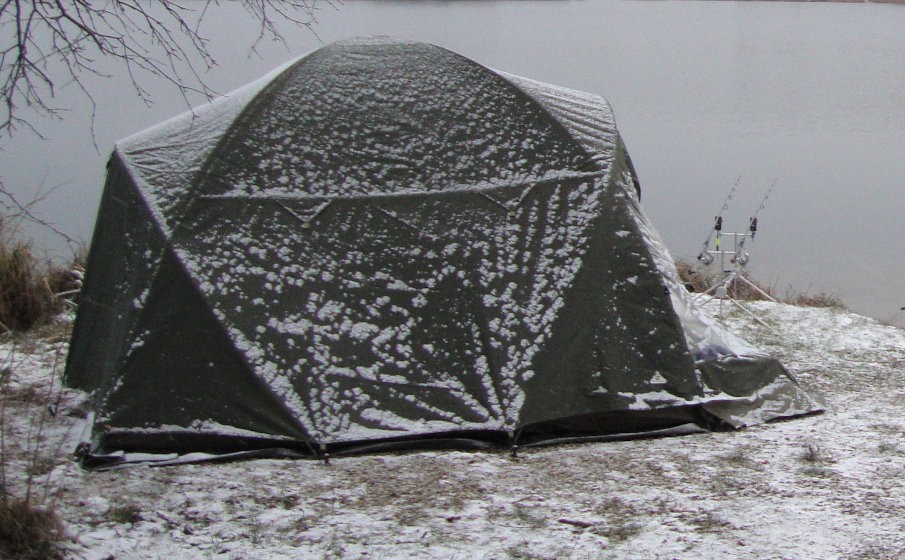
(810, 96)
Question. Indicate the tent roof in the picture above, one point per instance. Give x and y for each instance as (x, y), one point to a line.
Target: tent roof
(381, 117)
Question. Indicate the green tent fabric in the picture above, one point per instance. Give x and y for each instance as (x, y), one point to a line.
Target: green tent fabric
(385, 244)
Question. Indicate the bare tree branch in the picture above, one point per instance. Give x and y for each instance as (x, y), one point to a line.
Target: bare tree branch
(12, 212)
(47, 43)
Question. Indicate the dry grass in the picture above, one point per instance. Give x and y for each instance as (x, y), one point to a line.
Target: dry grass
(820, 299)
(29, 525)
(29, 287)
(25, 296)
(698, 279)
(28, 532)
(126, 514)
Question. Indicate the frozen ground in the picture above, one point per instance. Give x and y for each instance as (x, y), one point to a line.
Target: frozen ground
(821, 487)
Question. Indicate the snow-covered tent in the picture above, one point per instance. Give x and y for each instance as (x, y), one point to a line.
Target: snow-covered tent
(384, 243)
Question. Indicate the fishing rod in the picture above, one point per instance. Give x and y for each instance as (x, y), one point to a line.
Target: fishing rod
(704, 256)
(752, 221)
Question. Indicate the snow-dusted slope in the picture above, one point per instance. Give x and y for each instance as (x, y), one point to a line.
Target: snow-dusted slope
(819, 487)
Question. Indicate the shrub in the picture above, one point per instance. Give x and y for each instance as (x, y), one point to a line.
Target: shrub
(28, 532)
(25, 297)
(28, 287)
(820, 299)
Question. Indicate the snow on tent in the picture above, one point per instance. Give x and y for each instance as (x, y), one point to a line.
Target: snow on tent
(384, 244)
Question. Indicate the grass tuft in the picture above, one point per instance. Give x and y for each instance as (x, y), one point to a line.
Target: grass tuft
(29, 532)
(128, 514)
(30, 289)
(815, 461)
(25, 296)
(812, 454)
(819, 299)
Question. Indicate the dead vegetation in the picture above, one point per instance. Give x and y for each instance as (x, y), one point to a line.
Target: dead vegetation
(25, 295)
(30, 525)
(28, 531)
(699, 279)
(33, 291)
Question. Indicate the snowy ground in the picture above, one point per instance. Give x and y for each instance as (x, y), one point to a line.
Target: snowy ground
(827, 486)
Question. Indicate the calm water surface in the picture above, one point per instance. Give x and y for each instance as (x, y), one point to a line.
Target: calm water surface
(809, 95)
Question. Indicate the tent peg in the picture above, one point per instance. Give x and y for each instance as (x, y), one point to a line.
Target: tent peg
(513, 446)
